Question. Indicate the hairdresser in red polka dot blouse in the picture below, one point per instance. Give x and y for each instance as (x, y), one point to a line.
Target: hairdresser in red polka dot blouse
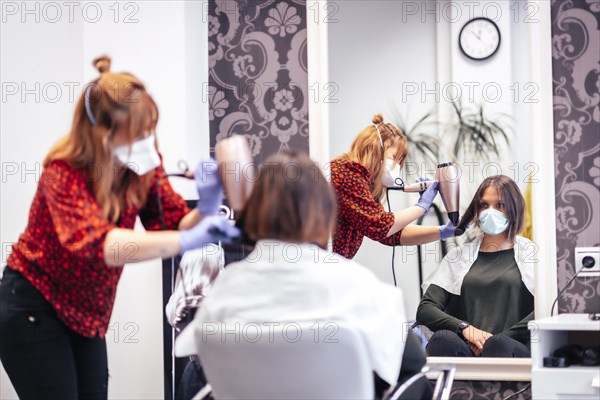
(360, 177)
(58, 287)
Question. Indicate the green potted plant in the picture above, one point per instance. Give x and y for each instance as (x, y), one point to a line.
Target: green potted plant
(424, 146)
(475, 134)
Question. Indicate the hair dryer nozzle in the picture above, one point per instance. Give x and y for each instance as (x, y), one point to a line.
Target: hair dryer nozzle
(453, 216)
(449, 186)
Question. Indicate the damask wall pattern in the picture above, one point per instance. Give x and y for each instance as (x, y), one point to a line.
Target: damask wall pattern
(490, 390)
(576, 91)
(258, 75)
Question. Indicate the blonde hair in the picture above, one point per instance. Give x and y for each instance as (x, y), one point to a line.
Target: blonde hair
(367, 150)
(116, 100)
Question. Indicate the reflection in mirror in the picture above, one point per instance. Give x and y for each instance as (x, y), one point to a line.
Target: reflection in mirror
(409, 79)
(479, 300)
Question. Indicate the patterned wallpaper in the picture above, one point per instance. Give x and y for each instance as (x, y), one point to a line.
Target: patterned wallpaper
(258, 82)
(576, 90)
(486, 390)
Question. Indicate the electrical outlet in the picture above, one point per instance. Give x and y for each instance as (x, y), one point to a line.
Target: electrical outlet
(580, 254)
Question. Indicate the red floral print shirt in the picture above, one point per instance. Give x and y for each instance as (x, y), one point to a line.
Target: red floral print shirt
(359, 214)
(61, 250)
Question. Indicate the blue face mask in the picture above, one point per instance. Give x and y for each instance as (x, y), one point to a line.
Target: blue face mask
(492, 222)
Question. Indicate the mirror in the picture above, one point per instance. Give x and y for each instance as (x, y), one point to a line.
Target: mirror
(405, 62)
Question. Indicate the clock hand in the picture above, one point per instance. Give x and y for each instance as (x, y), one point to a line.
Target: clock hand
(476, 35)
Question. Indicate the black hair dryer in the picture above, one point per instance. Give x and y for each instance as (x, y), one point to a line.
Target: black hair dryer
(449, 186)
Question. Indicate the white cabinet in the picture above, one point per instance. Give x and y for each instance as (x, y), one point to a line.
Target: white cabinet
(576, 381)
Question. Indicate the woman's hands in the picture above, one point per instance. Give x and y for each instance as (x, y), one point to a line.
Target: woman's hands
(476, 338)
(449, 230)
(428, 195)
(211, 229)
(209, 186)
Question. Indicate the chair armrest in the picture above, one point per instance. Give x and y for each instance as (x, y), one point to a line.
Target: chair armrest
(443, 384)
(205, 391)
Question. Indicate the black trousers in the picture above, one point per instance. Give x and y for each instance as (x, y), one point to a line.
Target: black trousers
(446, 343)
(43, 358)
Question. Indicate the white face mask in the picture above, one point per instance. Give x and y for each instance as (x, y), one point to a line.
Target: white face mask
(392, 171)
(141, 157)
(492, 222)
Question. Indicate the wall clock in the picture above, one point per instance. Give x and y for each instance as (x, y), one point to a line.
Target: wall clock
(479, 38)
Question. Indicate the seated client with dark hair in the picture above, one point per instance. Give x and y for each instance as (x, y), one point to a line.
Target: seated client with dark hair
(480, 298)
(290, 276)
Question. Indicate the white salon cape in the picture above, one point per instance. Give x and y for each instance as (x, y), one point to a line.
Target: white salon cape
(285, 282)
(451, 272)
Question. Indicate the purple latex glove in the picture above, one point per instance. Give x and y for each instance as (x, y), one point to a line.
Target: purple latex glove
(449, 230)
(427, 196)
(209, 186)
(211, 229)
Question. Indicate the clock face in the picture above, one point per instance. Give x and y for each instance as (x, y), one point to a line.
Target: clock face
(479, 38)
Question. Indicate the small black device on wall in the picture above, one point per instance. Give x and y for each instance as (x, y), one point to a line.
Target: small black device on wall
(479, 38)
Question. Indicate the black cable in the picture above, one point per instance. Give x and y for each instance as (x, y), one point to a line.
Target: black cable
(164, 227)
(562, 290)
(519, 392)
(180, 175)
(174, 269)
(160, 209)
(440, 218)
(387, 196)
(588, 262)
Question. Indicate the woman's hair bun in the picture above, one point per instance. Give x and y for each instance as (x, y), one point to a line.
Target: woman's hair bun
(377, 119)
(102, 64)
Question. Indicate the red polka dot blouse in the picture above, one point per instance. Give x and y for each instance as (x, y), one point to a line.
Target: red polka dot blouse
(359, 214)
(61, 250)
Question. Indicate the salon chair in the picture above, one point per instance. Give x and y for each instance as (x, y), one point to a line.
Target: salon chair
(318, 361)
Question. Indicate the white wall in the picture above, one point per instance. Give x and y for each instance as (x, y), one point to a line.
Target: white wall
(380, 51)
(165, 45)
